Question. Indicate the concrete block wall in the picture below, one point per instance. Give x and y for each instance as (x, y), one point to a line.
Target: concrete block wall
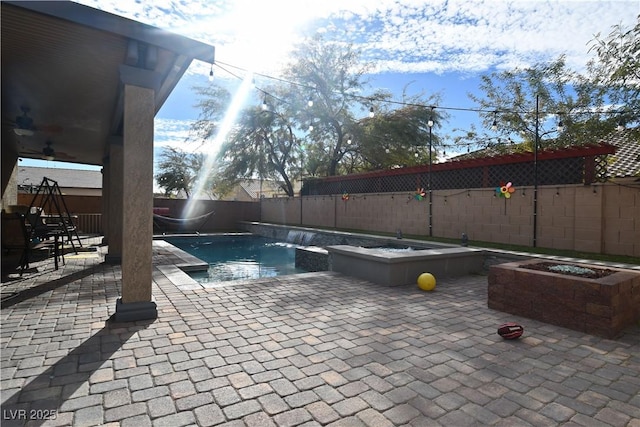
(382, 213)
(319, 211)
(281, 210)
(621, 230)
(597, 218)
(589, 219)
(226, 213)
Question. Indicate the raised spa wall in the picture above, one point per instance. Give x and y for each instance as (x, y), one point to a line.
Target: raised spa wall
(359, 255)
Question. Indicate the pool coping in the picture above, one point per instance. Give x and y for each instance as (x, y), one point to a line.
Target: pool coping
(183, 262)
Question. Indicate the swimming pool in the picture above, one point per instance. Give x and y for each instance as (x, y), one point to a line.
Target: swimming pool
(239, 257)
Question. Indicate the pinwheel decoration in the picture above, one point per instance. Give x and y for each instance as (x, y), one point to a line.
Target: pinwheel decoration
(345, 197)
(420, 194)
(505, 190)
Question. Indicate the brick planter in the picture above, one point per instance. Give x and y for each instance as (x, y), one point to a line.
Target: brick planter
(601, 307)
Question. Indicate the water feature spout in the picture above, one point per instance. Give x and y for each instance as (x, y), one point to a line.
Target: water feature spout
(300, 237)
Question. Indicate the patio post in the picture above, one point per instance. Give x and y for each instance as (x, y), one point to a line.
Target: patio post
(114, 217)
(137, 302)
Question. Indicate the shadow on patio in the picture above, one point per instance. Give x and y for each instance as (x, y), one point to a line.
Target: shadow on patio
(57, 388)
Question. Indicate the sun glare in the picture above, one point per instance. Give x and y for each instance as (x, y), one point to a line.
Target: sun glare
(258, 35)
(226, 125)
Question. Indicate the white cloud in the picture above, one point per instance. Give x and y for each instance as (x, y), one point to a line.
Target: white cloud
(172, 133)
(465, 37)
(401, 35)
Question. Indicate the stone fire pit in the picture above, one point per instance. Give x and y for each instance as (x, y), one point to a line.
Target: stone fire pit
(602, 306)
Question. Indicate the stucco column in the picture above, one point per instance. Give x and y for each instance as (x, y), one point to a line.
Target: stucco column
(115, 215)
(136, 302)
(9, 171)
(104, 205)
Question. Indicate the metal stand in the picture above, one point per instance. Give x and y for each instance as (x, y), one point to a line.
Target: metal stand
(52, 198)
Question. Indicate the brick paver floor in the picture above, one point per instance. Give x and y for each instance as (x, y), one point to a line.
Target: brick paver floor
(313, 349)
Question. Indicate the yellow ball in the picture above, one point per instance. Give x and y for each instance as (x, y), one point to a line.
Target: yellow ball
(426, 282)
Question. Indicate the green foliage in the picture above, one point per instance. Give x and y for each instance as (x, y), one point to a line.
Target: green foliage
(617, 66)
(263, 143)
(546, 95)
(213, 102)
(399, 137)
(332, 76)
(178, 170)
(590, 106)
(277, 143)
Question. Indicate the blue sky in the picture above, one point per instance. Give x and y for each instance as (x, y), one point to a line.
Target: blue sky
(426, 46)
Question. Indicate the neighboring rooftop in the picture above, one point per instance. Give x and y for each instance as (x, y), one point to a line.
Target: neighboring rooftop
(66, 178)
(267, 188)
(624, 163)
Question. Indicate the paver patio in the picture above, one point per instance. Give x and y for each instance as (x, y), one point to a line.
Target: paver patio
(312, 349)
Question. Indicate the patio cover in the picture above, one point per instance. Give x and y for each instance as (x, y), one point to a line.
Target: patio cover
(92, 83)
(63, 60)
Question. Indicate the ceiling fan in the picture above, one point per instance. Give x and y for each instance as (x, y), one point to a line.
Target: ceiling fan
(48, 153)
(24, 126)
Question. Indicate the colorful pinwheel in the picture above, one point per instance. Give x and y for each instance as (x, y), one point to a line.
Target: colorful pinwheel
(505, 190)
(420, 194)
(345, 197)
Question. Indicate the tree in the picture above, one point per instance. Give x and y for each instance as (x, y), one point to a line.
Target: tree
(213, 101)
(178, 170)
(560, 106)
(399, 137)
(342, 141)
(617, 66)
(263, 143)
(332, 76)
(590, 106)
(174, 175)
(292, 135)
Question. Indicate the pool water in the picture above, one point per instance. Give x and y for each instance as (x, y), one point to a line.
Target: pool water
(240, 257)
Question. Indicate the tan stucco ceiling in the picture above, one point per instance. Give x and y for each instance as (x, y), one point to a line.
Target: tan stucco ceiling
(62, 61)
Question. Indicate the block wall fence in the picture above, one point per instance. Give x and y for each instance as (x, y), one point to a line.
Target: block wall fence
(226, 215)
(603, 218)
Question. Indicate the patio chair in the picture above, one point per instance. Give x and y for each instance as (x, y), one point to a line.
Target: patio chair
(15, 236)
